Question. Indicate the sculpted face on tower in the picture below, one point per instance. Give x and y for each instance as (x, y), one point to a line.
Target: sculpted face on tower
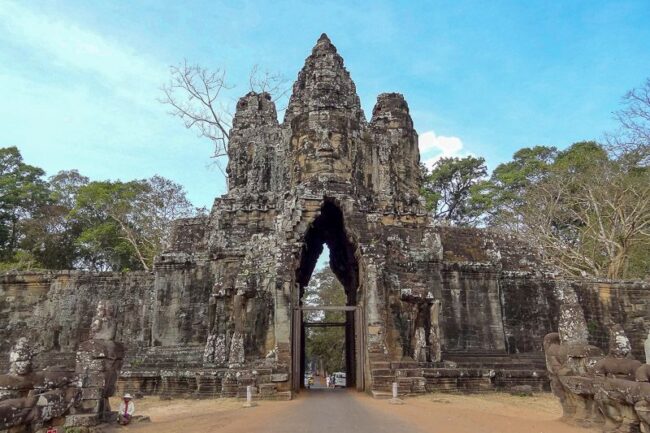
(320, 145)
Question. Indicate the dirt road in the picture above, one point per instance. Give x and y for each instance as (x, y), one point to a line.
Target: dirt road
(322, 410)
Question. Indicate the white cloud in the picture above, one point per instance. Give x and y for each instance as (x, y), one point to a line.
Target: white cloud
(433, 147)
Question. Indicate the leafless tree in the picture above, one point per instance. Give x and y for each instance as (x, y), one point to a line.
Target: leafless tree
(588, 223)
(195, 95)
(633, 136)
(276, 85)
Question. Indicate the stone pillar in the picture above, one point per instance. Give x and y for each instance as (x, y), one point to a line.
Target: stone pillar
(572, 326)
(420, 346)
(217, 347)
(435, 337)
(646, 345)
(619, 344)
(376, 344)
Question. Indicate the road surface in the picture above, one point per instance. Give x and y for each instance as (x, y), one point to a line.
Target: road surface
(338, 411)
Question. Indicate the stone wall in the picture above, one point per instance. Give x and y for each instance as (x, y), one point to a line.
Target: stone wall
(609, 302)
(497, 293)
(54, 310)
(530, 310)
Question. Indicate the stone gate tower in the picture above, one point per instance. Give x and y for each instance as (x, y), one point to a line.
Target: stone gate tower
(223, 307)
(324, 176)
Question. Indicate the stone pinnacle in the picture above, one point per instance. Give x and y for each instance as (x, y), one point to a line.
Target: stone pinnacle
(324, 44)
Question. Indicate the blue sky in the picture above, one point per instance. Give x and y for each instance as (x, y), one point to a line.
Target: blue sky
(79, 79)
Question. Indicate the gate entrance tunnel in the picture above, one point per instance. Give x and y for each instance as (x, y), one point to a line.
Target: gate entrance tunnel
(325, 353)
(327, 320)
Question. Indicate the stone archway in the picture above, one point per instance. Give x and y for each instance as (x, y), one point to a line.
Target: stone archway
(329, 229)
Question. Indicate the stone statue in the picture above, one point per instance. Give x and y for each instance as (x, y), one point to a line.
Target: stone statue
(19, 381)
(618, 363)
(555, 359)
(104, 325)
(31, 399)
(99, 361)
(614, 391)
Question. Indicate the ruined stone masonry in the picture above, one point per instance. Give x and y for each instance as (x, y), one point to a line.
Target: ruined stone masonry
(62, 396)
(596, 390)
(429, 307)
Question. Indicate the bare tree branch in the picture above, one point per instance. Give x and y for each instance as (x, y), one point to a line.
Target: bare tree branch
(632, 139)
(192, 92)
(196, 96)
(263, 81)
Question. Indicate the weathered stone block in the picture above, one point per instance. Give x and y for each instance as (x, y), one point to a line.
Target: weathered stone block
(82, 420)
(92, 393)
(279, 377)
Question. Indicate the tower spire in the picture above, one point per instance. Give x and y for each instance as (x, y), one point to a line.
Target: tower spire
(323, 83)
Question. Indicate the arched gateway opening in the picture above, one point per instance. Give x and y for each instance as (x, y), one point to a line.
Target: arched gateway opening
(329, 229)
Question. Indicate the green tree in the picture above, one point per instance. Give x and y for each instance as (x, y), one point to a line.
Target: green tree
(126, 224)
(23, 192)
(50, 235)
(510, 181)
(325, 346)
(455, 190)
(589, 212)
(104, 208)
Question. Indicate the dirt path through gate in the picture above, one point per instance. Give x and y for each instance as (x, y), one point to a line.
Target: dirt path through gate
(338, 411)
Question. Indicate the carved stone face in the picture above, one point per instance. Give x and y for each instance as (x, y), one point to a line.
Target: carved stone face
(320, 146)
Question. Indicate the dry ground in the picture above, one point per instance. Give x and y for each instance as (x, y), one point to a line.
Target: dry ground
(348, 411)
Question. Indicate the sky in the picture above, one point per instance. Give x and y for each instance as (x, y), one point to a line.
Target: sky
(80, 80)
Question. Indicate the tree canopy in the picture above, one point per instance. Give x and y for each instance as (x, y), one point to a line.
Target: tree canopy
(587, 207)
(69, 222)
(325, 346)
(454, 189)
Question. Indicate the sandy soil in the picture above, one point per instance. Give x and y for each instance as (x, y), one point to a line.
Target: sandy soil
(181, 416)
(484, 413)
(343, 411)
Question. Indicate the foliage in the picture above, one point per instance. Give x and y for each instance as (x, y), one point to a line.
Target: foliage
(49, 236)
(325, 346)
(588, 211)
(23, 193)
(68, 222)
(454, 190)
(128, 222)
(510, 181)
